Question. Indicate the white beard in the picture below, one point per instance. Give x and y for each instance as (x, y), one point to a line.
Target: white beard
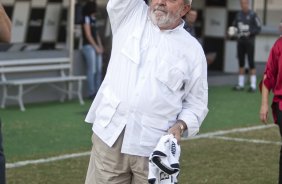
(164, 20)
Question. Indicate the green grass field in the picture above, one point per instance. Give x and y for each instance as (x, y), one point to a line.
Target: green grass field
(52, 129)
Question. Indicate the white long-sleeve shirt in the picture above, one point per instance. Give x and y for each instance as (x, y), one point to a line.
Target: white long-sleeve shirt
(154, 77)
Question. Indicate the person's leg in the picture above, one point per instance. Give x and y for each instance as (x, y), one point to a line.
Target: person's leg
(140, 169)
(241, 61)
(279, 122)
(90, 175)
(2, 160)
(108, 164)
(89, 57)
(250, 53)
(99, 70)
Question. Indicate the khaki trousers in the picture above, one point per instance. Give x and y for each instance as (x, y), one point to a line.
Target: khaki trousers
(108, 165)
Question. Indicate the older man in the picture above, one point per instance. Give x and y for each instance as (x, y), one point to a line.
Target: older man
(156, 83)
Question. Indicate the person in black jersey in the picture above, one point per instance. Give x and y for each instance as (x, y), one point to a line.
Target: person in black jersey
(248, 26)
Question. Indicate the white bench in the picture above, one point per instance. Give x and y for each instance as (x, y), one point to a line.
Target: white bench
(30, 73)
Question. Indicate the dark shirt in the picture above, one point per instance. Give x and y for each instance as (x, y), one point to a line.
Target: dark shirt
(190, 29)
(92, 22)
(248, 24)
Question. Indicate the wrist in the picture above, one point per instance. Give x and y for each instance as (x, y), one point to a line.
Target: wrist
(182, 126)
(264, 103)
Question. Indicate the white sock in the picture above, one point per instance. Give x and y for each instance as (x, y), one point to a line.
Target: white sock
(241, 80)
(253, 79)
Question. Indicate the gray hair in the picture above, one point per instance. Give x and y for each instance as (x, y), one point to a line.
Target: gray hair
(188, 2)
(185, 1)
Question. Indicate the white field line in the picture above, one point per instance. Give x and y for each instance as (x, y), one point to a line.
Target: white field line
(256, 141)
(223, 132)
(45, 160)
(68, 156)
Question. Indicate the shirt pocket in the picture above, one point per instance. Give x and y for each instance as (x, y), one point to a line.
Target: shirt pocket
(171, 75)
(152, 129)
(131, 49)
(107, 108)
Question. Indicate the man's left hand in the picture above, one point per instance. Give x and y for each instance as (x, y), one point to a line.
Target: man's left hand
(176, 130)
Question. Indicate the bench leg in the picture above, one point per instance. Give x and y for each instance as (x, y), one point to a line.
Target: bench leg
(70, 90)
(79, 92)
(4, 96)
(20, 98)
(64, 94)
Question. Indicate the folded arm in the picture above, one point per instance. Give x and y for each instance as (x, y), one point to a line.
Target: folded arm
(5, 26)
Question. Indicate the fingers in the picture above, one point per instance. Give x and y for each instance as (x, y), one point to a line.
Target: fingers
(264, 113)
(263, 118)
(178, 138)
(176, 132)
(100, 50)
